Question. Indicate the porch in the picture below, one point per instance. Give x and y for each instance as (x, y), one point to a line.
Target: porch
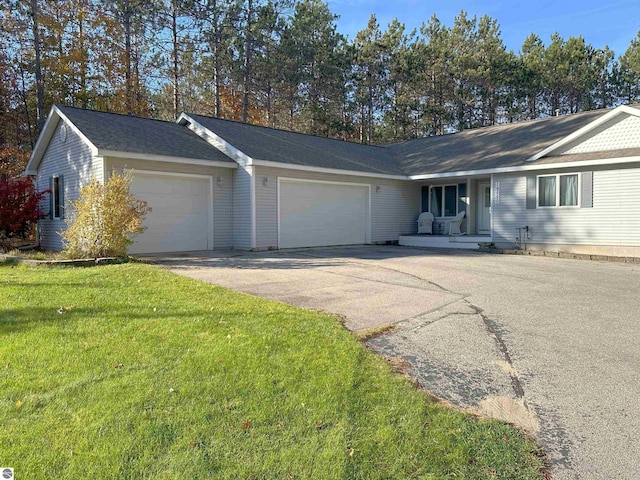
(467, 242)
(445, 198)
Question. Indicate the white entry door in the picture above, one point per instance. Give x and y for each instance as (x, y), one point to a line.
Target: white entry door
(484, 208)
(314, 214)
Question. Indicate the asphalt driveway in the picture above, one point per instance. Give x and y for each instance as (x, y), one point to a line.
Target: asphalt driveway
(549, 344)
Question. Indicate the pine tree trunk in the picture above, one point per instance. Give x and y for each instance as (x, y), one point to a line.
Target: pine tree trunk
(175, 72)
(40, 115)
(246, 63)
(127, 53)
(216, 75)
(83, 67)
(217, 32)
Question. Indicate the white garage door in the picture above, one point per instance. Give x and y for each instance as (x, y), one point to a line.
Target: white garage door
(320, 214)
(180, 215)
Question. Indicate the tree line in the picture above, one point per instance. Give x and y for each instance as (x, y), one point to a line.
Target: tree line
(282, 63)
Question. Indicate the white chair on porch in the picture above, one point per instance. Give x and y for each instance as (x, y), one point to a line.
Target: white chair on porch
(425, 223)
(453, 226)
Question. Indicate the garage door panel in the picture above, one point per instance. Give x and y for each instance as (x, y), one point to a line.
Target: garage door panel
(179, 219)
(321, 214)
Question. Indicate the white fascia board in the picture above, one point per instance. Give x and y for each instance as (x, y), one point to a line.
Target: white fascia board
(42, 143)
(586, 129)
(334, 171)
(76, 130)
(55, 115)
(526, 168)
(215, 140)
(163, 158)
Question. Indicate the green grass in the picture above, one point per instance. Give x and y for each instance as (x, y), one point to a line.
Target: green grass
(150, 375)
(36, 254)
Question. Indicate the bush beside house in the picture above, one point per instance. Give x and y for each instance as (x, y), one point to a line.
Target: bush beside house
(103, 219)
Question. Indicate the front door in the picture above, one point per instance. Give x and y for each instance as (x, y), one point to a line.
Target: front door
(484, 208)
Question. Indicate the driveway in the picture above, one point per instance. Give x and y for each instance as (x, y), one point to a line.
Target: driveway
(549, 344)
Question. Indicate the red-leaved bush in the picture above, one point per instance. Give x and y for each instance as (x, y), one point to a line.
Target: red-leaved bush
(19, 207)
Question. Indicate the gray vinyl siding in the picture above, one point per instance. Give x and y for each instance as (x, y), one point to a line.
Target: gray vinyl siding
(222, 191)
(73, 160)
(242, 206)
(613, 220)
(394, 209)
(266, 209)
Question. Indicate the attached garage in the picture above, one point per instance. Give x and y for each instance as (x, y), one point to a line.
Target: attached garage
(181, 217)
(317, 213)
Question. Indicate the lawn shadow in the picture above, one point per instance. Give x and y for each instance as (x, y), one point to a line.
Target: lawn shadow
(19, 320)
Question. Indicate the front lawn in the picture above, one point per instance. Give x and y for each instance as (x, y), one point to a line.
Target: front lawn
(128, 371)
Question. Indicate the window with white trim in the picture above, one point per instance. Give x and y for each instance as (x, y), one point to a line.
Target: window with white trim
(559, 190)
(56, 198)
(444, 200)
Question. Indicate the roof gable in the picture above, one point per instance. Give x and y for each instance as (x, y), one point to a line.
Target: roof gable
(620, 133)
(265, 144)
(605, 133)
(49, 128)
(110, 134)
(125, 133)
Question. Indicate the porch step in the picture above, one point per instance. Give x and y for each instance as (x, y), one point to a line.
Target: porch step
(469, 238)
(468, 242)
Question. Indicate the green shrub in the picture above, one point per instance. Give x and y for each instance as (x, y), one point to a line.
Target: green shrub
(104, 219)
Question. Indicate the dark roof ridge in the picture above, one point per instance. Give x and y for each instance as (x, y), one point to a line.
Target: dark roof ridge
(62, 107)
(286, 131)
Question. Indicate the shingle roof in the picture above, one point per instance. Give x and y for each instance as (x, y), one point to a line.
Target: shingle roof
(477, 149)
(125, 133)
(488, 147)
(262, 143)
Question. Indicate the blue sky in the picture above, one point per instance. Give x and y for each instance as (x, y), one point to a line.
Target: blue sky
(604, 22)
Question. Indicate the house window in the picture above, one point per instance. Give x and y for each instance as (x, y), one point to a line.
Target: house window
(56, 198)
(558, 190)
(450, 200)
(568, 190)
(436, 201)
(425, 199)
(444, 201)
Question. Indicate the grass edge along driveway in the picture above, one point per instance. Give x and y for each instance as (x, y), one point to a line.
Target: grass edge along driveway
(130, 371)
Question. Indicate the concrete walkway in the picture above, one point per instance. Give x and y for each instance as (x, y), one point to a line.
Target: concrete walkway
(549, 344)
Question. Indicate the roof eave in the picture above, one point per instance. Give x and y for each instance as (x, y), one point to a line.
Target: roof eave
(307, 168)
(165, 158)
(530, 167)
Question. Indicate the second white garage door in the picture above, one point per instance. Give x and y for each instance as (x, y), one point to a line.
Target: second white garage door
(314, 214)
(180, 219)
